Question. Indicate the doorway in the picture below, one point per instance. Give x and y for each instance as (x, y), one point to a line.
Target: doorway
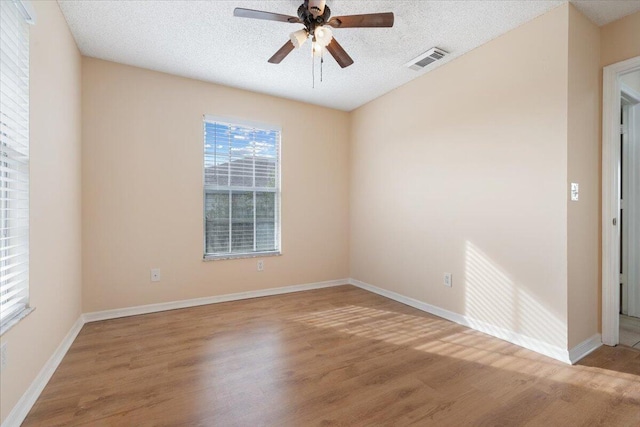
(621, 204)
(629, 327)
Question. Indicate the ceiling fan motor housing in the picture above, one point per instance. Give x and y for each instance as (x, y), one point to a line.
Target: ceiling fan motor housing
(310, 22)
(316, 7)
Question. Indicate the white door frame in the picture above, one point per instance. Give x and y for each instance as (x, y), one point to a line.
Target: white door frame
(610, 197)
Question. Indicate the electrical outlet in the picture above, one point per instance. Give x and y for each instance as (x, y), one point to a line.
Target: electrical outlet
(448, 280)
(3, 355)
(260, 265)
(155, 274)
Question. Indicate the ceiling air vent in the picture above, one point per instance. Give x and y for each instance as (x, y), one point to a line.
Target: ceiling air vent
(429, 57)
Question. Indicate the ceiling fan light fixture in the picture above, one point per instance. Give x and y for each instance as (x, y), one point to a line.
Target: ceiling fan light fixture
(299, 37)
(323, 36)
(317, 49)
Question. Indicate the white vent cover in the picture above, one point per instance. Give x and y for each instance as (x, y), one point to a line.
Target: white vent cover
(432, 55)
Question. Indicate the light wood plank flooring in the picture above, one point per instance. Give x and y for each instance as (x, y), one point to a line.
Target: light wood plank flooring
(630, 331)
(336, 356)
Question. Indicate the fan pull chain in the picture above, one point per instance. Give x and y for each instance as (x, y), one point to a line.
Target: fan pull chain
(321, 62)
(313, 70)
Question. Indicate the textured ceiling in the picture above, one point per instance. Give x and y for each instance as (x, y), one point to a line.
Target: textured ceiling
(203, 40)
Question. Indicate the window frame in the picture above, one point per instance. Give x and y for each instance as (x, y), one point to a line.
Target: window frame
(16, 209)
(231, 121)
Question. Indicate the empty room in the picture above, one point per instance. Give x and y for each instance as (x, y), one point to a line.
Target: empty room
(309, 212)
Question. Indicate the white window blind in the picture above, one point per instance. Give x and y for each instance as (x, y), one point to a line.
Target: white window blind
(241, 189)
(14, 162)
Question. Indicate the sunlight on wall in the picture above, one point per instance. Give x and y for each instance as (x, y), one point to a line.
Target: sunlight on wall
(498, 301)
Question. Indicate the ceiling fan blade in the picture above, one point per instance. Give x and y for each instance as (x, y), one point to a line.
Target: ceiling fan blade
(342, 58)
(268, 16)
(282, 53)
(361, 21)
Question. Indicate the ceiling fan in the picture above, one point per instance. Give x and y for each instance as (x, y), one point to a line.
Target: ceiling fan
(315, 15)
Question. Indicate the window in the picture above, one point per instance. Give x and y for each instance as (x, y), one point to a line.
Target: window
(241, 189)
(14, 163)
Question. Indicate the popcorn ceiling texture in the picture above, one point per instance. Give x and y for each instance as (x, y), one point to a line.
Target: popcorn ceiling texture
(203, 40)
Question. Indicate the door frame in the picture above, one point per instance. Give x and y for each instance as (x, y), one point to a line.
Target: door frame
(611, 197)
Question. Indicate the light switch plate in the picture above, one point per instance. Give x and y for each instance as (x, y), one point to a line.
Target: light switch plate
(574, 192)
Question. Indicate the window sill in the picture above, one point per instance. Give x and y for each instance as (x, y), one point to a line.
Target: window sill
(207, 258)
(16, 319)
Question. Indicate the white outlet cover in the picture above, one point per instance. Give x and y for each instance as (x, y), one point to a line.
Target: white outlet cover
(155, 274)
(448, 280)
(260, 265)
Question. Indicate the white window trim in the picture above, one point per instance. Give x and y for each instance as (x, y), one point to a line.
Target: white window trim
(278, 220)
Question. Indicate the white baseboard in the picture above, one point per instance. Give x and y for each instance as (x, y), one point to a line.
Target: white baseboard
(28, 399)
(584, 348)
(529, 343)
(172, 305)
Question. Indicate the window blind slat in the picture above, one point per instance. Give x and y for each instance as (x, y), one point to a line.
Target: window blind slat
(13, 118)
(13, 284)
(14, 163)
(14, 151)
(6, 277)
(14, 247)
(15, 75)
(16, 287)
(8, 257)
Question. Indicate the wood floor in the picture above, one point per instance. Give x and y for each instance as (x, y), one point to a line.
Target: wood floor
(630, 331)
(335, 356)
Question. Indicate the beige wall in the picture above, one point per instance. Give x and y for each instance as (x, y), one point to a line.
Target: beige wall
(583, 147)
(620, 40)
(142, 188)
(464, 170)
(55, 285)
